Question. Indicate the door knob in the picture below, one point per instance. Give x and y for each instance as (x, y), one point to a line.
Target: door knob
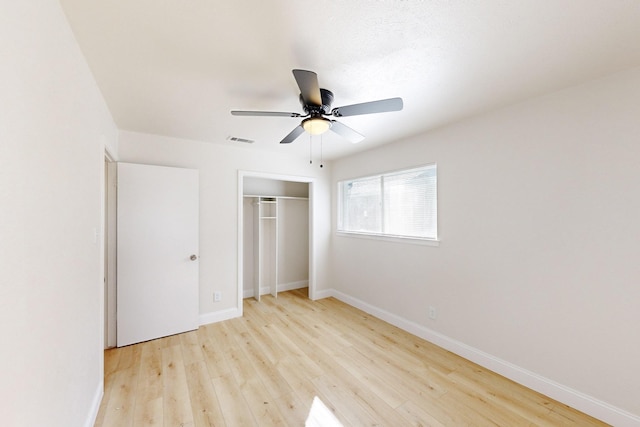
(193, 257)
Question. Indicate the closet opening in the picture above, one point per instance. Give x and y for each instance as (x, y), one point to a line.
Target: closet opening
(275, 235)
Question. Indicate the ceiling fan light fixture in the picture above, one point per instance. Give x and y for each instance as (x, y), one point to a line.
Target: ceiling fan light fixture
(316, 125)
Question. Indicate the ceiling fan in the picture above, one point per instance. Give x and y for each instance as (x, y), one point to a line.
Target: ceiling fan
(316, 103)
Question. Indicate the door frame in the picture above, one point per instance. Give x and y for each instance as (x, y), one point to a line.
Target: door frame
(109, 189)
(312, 229)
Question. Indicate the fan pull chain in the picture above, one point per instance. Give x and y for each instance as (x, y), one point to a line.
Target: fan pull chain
(311, 151)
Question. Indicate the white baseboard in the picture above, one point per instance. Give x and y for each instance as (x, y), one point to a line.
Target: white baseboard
(293, 285)
(249, 293)
(95, 405)
(578, 400)
(219, 316)
(325, 293)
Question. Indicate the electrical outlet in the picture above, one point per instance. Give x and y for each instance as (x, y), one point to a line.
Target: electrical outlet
(217, 296)
(432, 313)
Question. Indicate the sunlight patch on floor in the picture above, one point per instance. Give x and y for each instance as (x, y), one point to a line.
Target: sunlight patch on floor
(321, 416)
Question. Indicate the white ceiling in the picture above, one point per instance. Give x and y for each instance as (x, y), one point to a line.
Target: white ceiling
(177, 67)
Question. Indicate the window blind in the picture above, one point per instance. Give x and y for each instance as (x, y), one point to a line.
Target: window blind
(402, 204)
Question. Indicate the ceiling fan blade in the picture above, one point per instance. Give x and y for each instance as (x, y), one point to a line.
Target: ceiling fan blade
(381, 106)
(346, 132)
(264, 113)
(309, 88)
(292, 135)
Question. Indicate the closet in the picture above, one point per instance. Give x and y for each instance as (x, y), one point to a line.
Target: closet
(276, 236)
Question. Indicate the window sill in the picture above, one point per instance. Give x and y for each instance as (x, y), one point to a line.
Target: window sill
(394, 239)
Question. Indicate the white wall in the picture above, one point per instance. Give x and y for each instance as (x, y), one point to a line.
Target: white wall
(275, 187)
(53, 127)
(219, 165)
(538, 263)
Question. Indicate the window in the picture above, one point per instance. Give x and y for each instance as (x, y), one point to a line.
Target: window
(397, 204)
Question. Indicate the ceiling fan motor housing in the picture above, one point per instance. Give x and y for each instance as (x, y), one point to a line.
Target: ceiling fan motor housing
(325, 108)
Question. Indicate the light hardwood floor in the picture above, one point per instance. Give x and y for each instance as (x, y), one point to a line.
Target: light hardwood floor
(265, 368)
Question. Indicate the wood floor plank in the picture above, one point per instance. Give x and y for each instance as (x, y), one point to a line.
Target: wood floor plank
(293, 410)
(298, 379)
(374, 405)
(293, 351)
(349, 410)
(504, 393)
(150, 374)
(262, 405)
(408, 380)
(149, 409)
(477, 402)
(383, 389)
(265, 369)
(191, 350)
(111, 360)
(418, 416)
(275, 384)
(453, 413)
(177, 403)
(241, 368)
(122, 399)
(564, 415)
(204, 400)
(236, 411)
(272, 350)
(129, 357)
(214, 358)
(221, 335)
(258, 312)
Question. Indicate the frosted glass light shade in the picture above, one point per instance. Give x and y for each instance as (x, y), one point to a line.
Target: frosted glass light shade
(316, 125)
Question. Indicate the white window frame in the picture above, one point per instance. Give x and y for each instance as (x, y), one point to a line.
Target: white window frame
(429, 241)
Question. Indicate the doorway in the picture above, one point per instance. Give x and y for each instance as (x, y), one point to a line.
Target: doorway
(309, 185)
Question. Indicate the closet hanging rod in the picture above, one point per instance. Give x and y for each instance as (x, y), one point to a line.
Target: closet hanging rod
(276, 197)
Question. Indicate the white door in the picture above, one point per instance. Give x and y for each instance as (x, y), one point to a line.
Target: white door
(157, 252)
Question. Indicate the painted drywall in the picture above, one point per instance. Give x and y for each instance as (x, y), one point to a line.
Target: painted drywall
(219, 166)
(275, 187)
(54, 126)
(538, 213)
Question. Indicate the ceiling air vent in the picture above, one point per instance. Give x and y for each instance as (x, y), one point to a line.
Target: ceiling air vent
(236, 139)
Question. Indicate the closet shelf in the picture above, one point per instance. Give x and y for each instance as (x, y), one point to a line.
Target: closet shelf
(274, 197)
